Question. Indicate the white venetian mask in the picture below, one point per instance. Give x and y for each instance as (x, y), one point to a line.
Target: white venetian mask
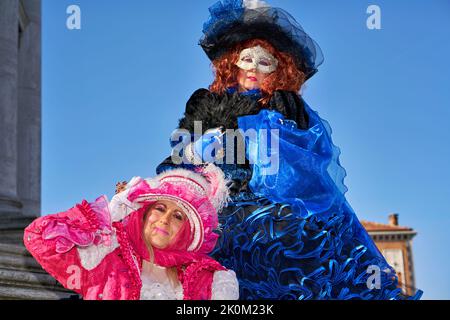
(257, 58)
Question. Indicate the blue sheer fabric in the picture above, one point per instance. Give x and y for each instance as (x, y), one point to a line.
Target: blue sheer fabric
(222, 14)
(304, 170)
(297, 237)
(292, 234)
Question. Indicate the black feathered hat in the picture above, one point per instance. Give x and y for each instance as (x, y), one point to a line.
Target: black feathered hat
(235, 21)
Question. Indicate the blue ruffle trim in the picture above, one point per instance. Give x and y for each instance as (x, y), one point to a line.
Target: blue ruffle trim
(277, 254)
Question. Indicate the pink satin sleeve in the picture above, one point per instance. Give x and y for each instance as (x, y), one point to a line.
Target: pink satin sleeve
(52, 240)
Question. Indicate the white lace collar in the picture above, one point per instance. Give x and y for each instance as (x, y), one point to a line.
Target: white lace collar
(156, 285)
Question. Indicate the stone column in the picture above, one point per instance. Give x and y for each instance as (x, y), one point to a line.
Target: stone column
(20, 150)
(20, 116)
(9, 201)
(29, 108)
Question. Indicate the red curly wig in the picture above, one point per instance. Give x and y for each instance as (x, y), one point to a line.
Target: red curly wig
(286, 77)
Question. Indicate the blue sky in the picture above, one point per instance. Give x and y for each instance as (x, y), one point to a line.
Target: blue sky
(114, 91)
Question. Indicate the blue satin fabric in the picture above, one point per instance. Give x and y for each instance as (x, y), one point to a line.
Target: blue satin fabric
(309, 176)
(277, 254)
(297, 237)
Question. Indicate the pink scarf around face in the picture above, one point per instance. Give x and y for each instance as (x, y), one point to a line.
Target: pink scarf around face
(195, 270)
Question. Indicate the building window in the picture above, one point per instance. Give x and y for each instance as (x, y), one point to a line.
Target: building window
(396, 260)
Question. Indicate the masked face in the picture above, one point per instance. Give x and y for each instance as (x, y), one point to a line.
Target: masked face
(257, 59)
(255, 65)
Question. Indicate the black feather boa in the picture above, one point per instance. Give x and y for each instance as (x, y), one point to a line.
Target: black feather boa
(216, 110)
(222, 110)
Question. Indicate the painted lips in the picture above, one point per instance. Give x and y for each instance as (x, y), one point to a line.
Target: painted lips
(162, 231)
(252, 79)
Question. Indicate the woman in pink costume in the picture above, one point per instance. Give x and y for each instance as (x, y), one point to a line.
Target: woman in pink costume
(150, 242)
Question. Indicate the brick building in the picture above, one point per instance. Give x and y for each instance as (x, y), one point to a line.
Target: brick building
(395, 243)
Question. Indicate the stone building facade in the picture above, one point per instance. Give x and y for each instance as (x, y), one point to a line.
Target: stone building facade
(20, 150)
(395, 243)
(20, 115)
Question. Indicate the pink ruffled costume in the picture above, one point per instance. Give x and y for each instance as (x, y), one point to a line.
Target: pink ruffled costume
(96, 249)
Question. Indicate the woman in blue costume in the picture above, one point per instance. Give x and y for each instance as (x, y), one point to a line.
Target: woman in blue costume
(288, 231)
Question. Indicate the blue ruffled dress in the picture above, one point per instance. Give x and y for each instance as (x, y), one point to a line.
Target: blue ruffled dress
(294, 235)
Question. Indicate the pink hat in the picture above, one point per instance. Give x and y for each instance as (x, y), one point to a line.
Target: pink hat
(201, 195)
